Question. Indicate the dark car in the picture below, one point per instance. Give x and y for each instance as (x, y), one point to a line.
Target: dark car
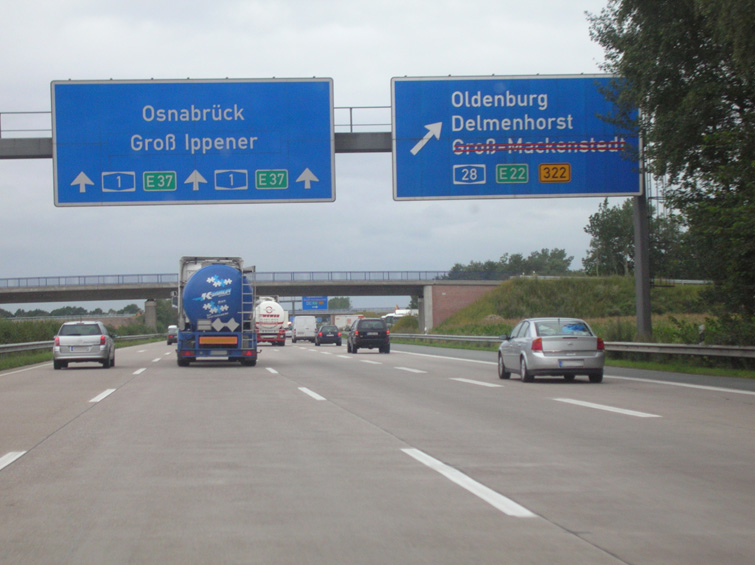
(328, 334)
(172, 334)
(369, 333)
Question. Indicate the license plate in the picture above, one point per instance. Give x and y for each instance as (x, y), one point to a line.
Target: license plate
(79, 349)
(219, 353)
(566, 363)
(372, 333)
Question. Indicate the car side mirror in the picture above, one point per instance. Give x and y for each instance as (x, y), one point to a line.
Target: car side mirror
(505, 337)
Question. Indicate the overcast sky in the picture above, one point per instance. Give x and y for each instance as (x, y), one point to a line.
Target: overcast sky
(361, 46)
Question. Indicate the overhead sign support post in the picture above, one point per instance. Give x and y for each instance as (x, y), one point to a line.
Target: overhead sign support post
(193, 142)
(508, 137)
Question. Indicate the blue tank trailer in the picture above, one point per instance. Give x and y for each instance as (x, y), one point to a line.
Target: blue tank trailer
(215, 311)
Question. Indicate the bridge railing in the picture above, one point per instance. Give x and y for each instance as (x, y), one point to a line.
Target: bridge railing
(87, 280)
(262, 277)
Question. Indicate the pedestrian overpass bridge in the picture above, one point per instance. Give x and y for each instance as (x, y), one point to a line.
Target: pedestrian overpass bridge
(438, 296)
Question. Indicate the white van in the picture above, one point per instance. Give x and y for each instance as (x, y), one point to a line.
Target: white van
(305, 328)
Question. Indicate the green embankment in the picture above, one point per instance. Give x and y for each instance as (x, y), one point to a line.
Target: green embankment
(608, 304)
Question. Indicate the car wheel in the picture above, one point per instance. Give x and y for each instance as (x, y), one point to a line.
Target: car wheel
(354, 348)
(569, 378)
(112, 361)
(317, 343)
(597, 378)
(106, 363)
(527, 377)
(57, 365)
(183, 362)
(502, 372)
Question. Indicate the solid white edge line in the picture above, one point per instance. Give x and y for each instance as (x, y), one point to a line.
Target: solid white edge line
(699, 387)
(496, 500)
(314, 395)
(480, 383)
(607, 408)
(447, 357)
(685, 385)
(9, 458)
(104, 394)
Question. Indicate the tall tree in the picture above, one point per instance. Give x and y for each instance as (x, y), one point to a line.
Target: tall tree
(612, 241)
(689, 67)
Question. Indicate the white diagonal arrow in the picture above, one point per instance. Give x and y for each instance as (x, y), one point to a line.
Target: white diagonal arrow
(433, 130)
(82, 180)
(195, 178)
(308, 177)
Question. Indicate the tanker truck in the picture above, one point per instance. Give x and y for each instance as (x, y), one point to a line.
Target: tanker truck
(271, 320)
(215, 311)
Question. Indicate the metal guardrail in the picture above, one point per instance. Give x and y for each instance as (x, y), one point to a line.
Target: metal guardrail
(39, 345)
(611, 346)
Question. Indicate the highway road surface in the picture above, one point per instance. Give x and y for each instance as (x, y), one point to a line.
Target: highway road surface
(420, 456)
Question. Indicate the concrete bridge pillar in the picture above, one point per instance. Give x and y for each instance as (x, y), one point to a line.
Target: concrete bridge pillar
(150, 314)
(425, 307)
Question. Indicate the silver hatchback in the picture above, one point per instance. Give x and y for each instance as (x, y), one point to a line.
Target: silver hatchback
(552, 347)
(79, 342)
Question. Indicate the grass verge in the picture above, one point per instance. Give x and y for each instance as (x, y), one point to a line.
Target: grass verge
(24, 358)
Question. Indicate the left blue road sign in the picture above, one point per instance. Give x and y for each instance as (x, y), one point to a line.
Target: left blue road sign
(193, 142)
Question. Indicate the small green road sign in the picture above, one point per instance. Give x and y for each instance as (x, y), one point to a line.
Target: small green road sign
(267, 179)
(159, 181)
(508, 174)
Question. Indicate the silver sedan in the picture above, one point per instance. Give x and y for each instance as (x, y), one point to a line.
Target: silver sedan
(79, 342)
(551, 347)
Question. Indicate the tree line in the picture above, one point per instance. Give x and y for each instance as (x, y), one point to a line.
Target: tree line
(685, 82)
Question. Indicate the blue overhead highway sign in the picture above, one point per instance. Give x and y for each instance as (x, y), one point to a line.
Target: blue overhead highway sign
(508, 137)
(193, 141)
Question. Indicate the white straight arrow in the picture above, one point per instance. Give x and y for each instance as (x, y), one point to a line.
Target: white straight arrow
(82, 180)
(433, 130)
(308, 177)
(195, 178)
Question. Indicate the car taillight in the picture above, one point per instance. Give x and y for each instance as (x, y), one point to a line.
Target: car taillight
(387, 332)
(57, 340)
(103, 341)
(356, 332)
(537, 344)
(601, 344)
(339, 334)
(319, 334)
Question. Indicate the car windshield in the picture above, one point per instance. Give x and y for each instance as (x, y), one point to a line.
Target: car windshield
(565, 327)
(80, 329)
